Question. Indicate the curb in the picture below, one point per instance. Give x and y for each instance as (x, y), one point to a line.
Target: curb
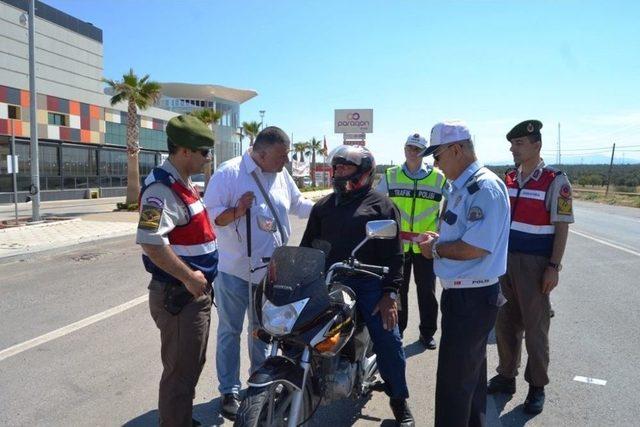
(44, 223)
(4, 258)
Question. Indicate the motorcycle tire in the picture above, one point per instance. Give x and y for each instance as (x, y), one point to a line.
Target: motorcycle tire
(255, 408)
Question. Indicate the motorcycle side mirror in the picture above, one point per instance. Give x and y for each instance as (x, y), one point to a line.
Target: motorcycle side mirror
(381, 229)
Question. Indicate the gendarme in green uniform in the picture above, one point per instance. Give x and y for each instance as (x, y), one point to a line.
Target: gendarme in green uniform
(418, 201)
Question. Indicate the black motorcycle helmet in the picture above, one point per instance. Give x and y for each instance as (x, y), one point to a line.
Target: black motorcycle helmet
(362, 178)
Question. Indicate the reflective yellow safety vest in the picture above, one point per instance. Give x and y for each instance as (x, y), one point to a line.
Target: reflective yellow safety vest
(418, 201)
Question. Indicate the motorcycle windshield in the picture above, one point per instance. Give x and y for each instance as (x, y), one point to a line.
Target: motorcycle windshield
(295, 273)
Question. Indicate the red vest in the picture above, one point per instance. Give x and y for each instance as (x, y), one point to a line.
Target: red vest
(194, 242)
(531, 229)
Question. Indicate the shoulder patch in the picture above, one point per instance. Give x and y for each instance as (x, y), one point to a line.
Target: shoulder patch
(475, 214)
(150, 216)
(154, 201)
(564, 206)
(565, 191)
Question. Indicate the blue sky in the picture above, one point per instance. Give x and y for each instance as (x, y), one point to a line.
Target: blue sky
(490, 63)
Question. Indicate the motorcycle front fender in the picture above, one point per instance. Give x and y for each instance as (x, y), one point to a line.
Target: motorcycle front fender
(277, 368)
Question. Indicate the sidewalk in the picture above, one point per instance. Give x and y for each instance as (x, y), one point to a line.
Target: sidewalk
(86, 226)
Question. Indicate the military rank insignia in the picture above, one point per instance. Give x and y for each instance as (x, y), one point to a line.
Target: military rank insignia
(150, 216)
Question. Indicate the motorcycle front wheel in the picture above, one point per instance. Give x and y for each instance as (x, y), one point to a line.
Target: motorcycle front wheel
(270, 406)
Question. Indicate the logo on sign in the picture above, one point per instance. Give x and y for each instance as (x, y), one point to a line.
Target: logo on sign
(353, 116)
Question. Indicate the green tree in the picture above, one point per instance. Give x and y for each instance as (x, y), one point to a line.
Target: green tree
(211, 117)
(251, 129)
(138, 94)
(301, 148)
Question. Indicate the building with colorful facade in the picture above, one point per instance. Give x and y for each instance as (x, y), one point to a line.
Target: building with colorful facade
(82, 138)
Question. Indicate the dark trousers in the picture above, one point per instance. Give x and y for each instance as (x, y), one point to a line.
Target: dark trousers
(426, 289)
(461, 388)
(387, 345)
(183, 340)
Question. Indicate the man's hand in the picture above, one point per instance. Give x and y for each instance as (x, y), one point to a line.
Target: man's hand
(197, 284)
(549, 280)
(426, 245)
(388, 311)
(244, 202)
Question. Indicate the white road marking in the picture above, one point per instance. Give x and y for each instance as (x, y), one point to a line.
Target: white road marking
(604, 242)
(24, 346)
(589, 380)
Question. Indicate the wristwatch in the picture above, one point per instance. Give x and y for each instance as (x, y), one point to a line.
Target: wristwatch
(434, 250)
(393, 295)
(555, 266)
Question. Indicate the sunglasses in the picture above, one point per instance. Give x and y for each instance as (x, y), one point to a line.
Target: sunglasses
(436, 157)
(205, 152)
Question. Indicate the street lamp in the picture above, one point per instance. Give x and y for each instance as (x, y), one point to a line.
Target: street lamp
(262, 119)
(34, 189)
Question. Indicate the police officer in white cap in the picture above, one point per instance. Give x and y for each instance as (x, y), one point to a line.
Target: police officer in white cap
(416, 190)
(470, 254)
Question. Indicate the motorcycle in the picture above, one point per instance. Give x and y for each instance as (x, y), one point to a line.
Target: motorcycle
(321, 351)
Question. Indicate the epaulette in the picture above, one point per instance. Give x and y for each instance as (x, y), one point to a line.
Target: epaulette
(473, 187)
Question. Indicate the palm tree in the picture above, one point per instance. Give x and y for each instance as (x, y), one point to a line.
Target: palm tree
(303, 149)
(137, 93)
(315, 145)
(251, 129)
(210, 117)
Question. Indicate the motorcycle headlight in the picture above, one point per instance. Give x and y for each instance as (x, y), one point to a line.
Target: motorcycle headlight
(279, 320)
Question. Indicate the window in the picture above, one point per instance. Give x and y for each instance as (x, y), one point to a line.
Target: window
(14, 112)
(113, 168)
(58, 119)
(78, 163)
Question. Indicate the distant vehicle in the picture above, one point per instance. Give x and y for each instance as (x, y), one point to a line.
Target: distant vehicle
(306, 181)
(198, 182)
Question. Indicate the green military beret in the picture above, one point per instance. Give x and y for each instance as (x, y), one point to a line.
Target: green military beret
(526, 128)
(189, 132)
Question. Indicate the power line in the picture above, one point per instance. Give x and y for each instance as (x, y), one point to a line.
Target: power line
(589, 149)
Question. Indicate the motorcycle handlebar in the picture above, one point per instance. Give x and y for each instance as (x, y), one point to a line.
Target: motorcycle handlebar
(357, 267)
(373, 268)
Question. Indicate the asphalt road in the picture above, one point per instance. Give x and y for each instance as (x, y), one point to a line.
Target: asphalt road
(106, 371)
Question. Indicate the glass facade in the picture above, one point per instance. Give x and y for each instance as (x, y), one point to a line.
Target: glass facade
(71, 166)
(151, 139)
(79, 167)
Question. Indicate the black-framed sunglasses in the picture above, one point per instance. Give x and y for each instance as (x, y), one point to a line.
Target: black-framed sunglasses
(436, 156)
(205, 152)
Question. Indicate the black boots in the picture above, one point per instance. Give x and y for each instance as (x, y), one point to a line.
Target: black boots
(501, 384)
(534, 403)
(230, 405)
(401, 412)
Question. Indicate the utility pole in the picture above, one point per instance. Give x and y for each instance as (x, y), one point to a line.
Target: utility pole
(559, 159)
(34, 190)
(606, 192)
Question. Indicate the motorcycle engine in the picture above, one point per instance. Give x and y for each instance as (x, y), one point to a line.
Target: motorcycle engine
(339, 381)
